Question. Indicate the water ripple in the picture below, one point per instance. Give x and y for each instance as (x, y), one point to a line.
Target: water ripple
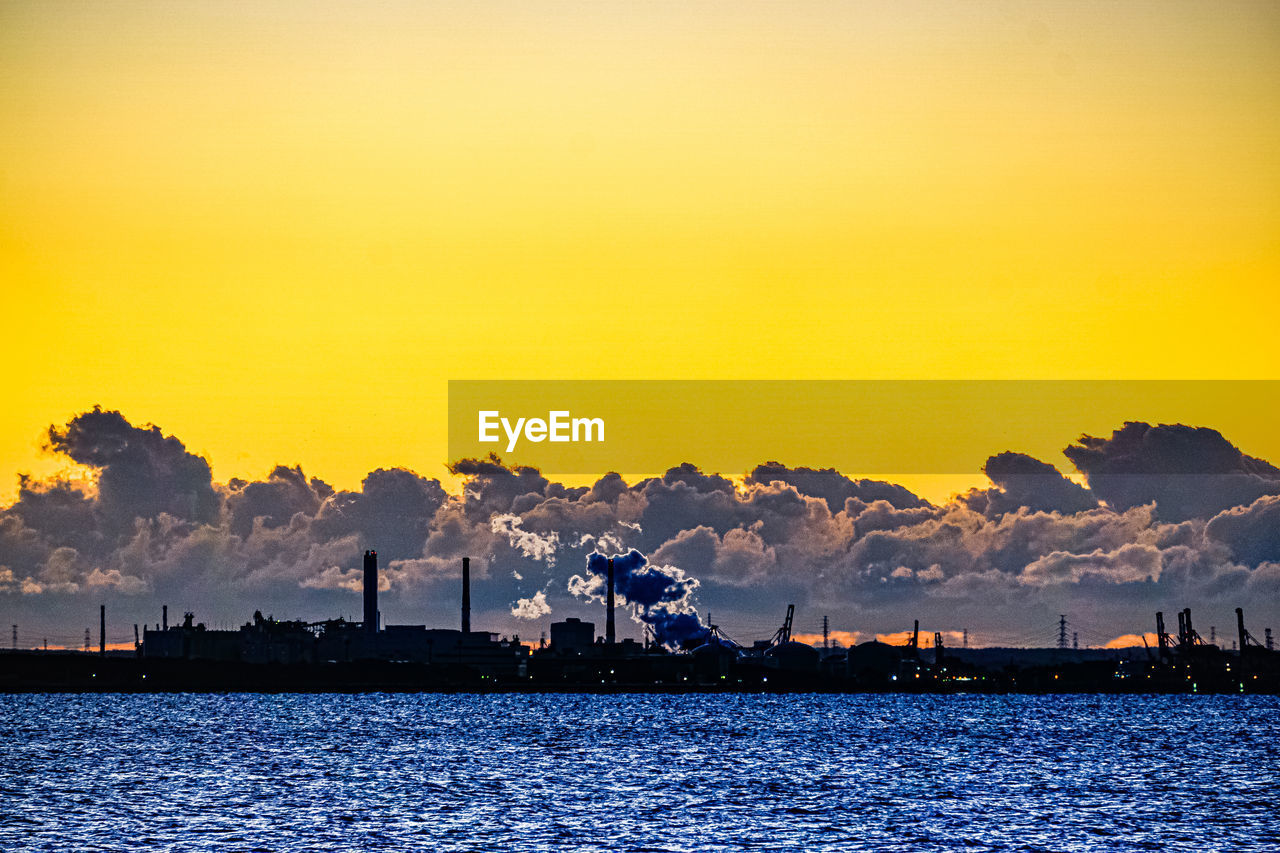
(253, 772)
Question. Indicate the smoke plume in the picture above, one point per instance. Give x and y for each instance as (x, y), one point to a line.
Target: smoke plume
(661, 596)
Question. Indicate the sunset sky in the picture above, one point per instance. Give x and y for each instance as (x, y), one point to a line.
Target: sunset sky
(278, 229)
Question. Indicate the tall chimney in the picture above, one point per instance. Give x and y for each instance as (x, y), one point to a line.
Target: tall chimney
(164, 617)
(371, 592)
(102, 629)
(466, 595)
(1244, 635)
(609, 635)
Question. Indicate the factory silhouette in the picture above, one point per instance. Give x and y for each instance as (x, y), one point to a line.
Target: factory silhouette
(340, 655)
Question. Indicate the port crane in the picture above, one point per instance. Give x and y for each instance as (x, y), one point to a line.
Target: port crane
(783, 634)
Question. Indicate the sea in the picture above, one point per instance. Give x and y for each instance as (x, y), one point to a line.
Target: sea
(721, 772)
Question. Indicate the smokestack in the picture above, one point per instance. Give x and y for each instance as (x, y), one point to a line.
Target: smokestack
(371, 592)
(1241, 631)
(466, 595)
(164, 617)
(102, 629)
(609, 635)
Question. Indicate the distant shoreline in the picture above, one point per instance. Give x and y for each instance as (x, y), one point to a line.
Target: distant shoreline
(78, 672)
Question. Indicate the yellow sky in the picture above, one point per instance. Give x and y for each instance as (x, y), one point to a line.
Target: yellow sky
(277, 230)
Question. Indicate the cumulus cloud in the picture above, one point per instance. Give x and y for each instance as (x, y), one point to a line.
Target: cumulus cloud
(534, 607)
(62, 571)
(352, 580)
(1128, 564)
(1172, 516)
(1024, 482)
(833, 487)
(1187, 472)
(113, 579)
(1252, 532)
(273, 503)
(140, 471)
(739, 557)
(392, 512)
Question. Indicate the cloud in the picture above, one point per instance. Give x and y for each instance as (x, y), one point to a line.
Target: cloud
(534, 607)
(392, 512)
(489, 486)
(352, 580)
(833, 487)
(1263, 584)
(148, 524)
(140, 471)
(1128, 564)
(740, 557)
(275, 502)
(528, 543)
(113, 579)
(1187, 472)
(51, 511)
(62, 571)
(1252, 532)
(1024, 482)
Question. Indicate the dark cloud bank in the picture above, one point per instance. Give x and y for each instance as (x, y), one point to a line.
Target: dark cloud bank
(1172, 516)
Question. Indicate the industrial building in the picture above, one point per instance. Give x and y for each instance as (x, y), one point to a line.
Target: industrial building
(269, 641)
(270, 654)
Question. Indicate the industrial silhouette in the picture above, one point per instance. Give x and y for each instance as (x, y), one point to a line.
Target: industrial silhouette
(268, 654)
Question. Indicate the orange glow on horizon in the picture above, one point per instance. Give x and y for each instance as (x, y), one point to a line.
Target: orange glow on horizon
(1128, 641)
(950, 639)
(73, 647)
(848, 639)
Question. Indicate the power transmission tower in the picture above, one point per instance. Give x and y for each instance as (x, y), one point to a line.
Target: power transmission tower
(1062, 631)
(86, 639)
(965, 640)
(826, 644)
(15, 638)
(1075, 640)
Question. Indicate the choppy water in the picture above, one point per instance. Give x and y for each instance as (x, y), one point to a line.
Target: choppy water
(573, 772)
